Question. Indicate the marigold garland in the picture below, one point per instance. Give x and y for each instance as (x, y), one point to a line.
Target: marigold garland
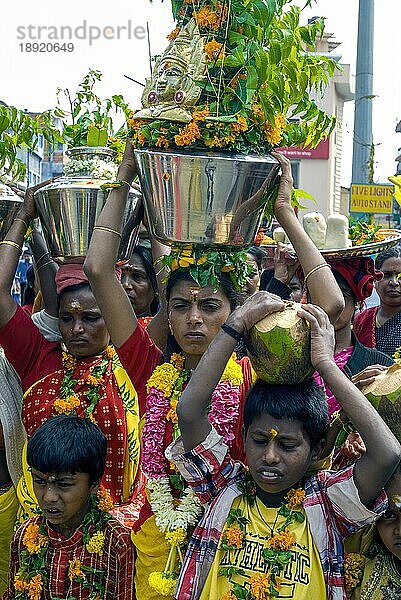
(174, 516)
(353, 571)
(277, 553)
(32, 575)
(68, 402)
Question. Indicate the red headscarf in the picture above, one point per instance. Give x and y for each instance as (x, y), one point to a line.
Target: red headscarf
(359, 273)
(73, 274)
(68, 275)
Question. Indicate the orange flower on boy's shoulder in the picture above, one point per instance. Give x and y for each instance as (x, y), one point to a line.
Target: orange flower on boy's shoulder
(33, 540)
(233, 536)
(295, 498)
(282, 541)
(35, 587)
(105, 501)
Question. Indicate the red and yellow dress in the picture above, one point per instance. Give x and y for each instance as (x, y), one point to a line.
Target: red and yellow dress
(39, 364)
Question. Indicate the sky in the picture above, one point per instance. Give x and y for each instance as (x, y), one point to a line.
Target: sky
(29, 79)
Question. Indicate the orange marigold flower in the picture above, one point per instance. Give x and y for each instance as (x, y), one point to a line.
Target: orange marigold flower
(69, 361)
(260, 586)
(240, 125)
(200, 114)
(20, 584)
(35, 587)
(66, 406)
(214, 50)
(33, 540)
(233, 536)
(274, 132)
(228, 596)
(110, 352)
(206, 17)
(353, 570)
(282, 541)
(172, 413)
(174, 34)
(92, 380)
(295, 498)
(177, 360)
(105, 501)
(162, 142)
(188, 134)
(74, 569)
(135, 124)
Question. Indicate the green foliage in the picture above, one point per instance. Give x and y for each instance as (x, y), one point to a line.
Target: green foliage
(88, 120)
(267, 68)
(19, 130)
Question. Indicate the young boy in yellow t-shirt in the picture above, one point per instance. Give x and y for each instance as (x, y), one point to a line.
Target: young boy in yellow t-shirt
(272, 530)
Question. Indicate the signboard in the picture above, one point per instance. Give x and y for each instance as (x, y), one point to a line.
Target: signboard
(372, 198)
(321, 151)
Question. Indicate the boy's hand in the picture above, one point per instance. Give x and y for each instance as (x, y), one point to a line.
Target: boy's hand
(254, 310)
(322, 336)
(367, 376)
(353, 447)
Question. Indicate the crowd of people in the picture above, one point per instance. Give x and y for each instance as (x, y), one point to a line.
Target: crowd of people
(140, 457)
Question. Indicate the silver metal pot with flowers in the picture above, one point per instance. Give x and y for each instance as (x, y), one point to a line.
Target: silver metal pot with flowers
(192, 195)
(10, 204)
(68, 207)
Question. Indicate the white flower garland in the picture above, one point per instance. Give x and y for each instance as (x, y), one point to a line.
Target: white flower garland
(94, 167)
(170, 516)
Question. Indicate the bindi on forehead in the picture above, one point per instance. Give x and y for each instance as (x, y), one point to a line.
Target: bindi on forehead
(194, 291)
(75, 306)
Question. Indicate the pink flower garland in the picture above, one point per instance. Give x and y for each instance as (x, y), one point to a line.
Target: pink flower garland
(224, 412)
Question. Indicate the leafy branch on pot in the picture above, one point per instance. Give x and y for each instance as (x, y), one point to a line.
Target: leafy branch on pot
(88, 120)
(255, 92)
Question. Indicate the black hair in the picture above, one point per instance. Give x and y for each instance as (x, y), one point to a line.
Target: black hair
(72, 288)
(226, 286)
(29, 291)
(305, 402)
(146, 256)
(67, 443)
(257, 254)
(343, 284)
(265, 278)
(394, 252)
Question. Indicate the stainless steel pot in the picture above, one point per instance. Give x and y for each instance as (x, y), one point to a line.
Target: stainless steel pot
(10, 204)
(205, 198)
(69, 207)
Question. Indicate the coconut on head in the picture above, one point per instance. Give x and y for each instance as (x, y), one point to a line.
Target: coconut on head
(279, 347)
(385, 395)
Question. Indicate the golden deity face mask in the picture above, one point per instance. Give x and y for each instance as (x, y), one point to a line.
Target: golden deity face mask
(172, 89)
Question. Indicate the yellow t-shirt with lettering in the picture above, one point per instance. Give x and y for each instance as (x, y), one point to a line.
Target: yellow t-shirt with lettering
(302, 578)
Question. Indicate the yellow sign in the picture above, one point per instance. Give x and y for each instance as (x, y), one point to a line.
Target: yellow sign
(372, 198)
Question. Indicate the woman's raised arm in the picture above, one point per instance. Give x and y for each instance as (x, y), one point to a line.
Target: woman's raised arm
(10, 252)
(101, 259)
(322, 286)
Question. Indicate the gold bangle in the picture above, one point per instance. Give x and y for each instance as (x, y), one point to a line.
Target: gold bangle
(99, 228)
(316, 269)
(22, 221)
(13, 244)
(49, 262)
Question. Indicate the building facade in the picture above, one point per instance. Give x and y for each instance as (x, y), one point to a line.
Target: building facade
(318, 170)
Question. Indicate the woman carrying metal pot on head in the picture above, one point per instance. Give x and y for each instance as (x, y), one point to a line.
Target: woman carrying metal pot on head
(86, 376)
(196, 314)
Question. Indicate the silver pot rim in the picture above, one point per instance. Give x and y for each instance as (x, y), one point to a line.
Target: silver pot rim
(199, 153)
